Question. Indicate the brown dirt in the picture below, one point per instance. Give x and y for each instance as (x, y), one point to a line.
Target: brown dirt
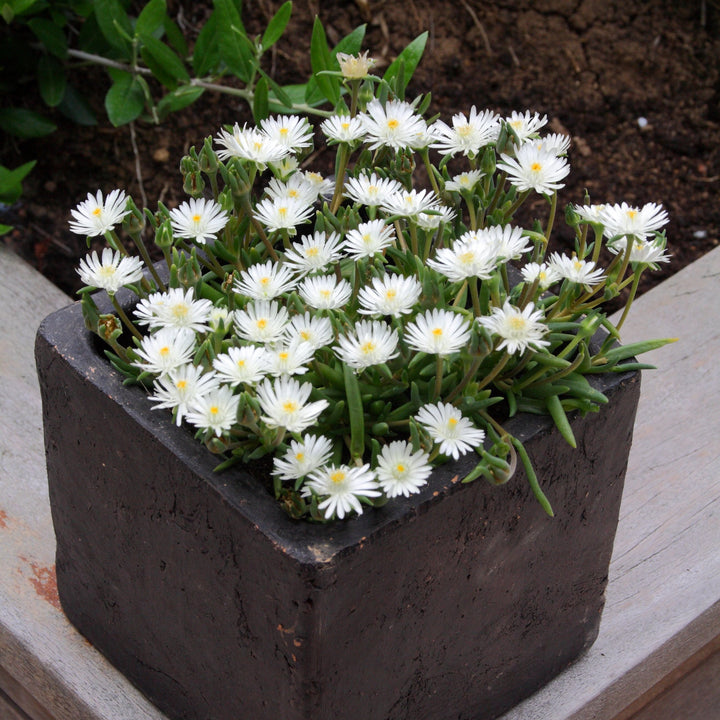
(595, 67)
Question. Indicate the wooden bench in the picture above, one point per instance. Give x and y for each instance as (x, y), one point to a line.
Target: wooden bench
(661, 626)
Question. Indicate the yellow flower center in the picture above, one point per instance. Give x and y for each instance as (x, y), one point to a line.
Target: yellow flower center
(393, 124)
(164, 351)
(536, 167)
(345, 126)
(180, 311)
(338, 476)
(517, 323)
(467, 257)
(289, 406)
(257, 146)
(107, 271)
(283, 355)
(241, 363)
(312, 252)
(284, 131)
(400, 468)
(325, 293)
(282, 212)
(264, 281)
(261, 324)
(437, 332)
(300, 456)
(97, 212)
(368, 347)
(181, 384)
(214, 410)
(464, 130)
(305, 335)
(196, 218)
(390, 293)
(293, 193)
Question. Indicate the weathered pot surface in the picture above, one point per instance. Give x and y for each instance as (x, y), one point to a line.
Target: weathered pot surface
(454, 604)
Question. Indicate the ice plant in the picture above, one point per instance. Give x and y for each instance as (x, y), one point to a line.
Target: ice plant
(360, 330)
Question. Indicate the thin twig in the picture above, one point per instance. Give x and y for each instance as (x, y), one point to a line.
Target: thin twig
(138, 166)
(479, 26)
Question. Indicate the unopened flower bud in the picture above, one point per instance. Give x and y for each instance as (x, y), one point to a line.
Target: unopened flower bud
(355, 67)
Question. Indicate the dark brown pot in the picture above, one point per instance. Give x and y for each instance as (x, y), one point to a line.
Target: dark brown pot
(453, 605)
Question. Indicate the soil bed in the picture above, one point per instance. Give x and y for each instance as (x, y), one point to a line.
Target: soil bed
(635, 83)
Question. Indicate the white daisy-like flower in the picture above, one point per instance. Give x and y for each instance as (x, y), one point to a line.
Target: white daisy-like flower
(262, 321)
(400, 471)
(265, 281)
(542, 273)
(182, 387)
(368, 239)
(371, 190)
(284, 402)
(303, 457)
(220, 319)
(283, 213)
(582, 272)
(296, 188)
(110, 271)
(315, 331)
(465, 181)
(465, 259)
(468, 135)
(395, 125)
(519, 329)
(198, 219)
(175, 308)
(250, 144)
(325, 292)
(289, 359)
(590, 213)
(313, 253)
(525, 125)
(246, 365)
(323, 187)
(638, 222)
(556, 143)
(341, 486)
(292, 132)
(216, 411)
(393, 295)
(355, 67)
(371, 342)
(440, 215)
(165, 350)
(284, 168)
(95, 216)
(438, 332)
(447, 426)
(534, 169)
(508, 242)
(410, 203)
(343, 128)
(645, 252)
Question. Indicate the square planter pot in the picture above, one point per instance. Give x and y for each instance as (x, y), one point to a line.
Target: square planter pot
(453, 605)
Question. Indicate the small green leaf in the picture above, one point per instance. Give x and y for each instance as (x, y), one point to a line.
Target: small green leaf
(166, 66)
(280, 93)
(355, 411)
(406, 61)
(260, 101)
(50, 35)
(276, 26)
(351, 43)
(76, 107)
(11, 182)
(178, 99)
(206, 53)
(51, 80)
(235, 46)
(557, 413)
(151, 17)
(125, 99)
(321, 59)
(175, 37)
(25, 123)
(5, 229)
(114, 24)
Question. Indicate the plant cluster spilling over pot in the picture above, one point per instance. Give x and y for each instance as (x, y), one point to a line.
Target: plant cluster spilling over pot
(347, 343)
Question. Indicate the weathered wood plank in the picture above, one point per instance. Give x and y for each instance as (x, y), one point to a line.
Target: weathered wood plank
(663, 598)
(39, 648)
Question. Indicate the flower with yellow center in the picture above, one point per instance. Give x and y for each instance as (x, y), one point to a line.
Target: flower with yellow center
(341, 488)
(370, 342)
(394, 124)
(446, 426)
(394, 295)
(181, 388)
(534, 168)
(198, 219)
(95, 216)
(400, 471)
(517, 329)
(355, 67)
(303, 457)
(265, 281)
(215, 412)
(284, 403)
(245, 365)
(438, 332)
(110, 271)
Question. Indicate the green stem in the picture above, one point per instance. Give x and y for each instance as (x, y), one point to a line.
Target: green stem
(125, 319)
